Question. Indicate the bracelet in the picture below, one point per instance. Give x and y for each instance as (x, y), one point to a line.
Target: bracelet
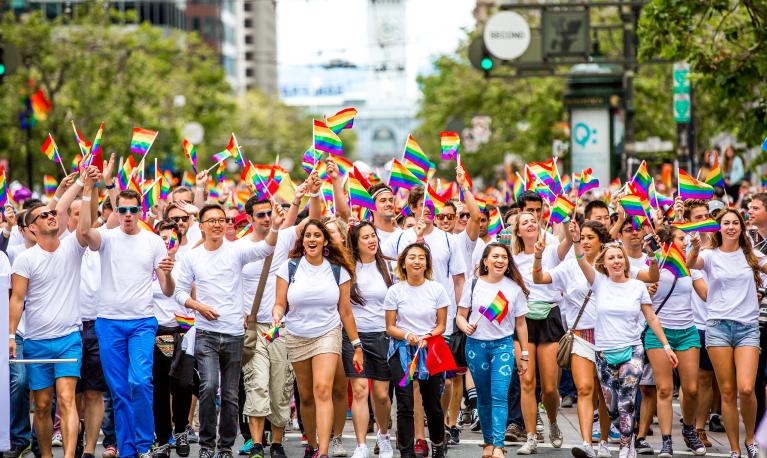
(538, 257)
(12, 336)
(579, 256)
(86, 198)
(56, 198)
(525, 353)
(314, 194)
(6, 232)
(110, 186)
(297, 203)
(200, 188)
(577, 241)
(667, 347)
(79, 182)
(538, 269)
(276, 231)
(407, 334)
(355, 342)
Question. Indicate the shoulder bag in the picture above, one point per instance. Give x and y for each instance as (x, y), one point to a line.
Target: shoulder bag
(251, 333)
(565, 350)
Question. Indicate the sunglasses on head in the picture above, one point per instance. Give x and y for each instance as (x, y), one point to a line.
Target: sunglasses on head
(44, 215)
(259, 215)
(447, 216)
(132, 210)
(179, 219)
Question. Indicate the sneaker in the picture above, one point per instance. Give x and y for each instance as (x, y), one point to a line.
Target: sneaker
(455, 435)
(613, 436)
(539, 437)
(642, 447)
(583, 451)
(57, 440)
(191, 435)
(147, 454)
(256, 450)
(84, 455)
(182, 444)
(309, 452)
(361, 451)
(692, 441)
(246, 448)
(666, 449)
(625, 452)
(465, 418)
(337, 447)
(514, 433)
(438, 451)
(276, 450)
(715, 424)
(224, 454)
(596, 432)
(172, 441)
(421, 448)
(110, 452)
(734, 455)
(567, 402)
(604, 451)
(162, 451)
(538, 423)
(18, 451)
(752, 449)
(206, 453)
(475, 426)
(383, 442)
(530, 447)
(555, 435)
(703, 437)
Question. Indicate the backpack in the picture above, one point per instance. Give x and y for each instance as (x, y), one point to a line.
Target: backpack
(293, 266)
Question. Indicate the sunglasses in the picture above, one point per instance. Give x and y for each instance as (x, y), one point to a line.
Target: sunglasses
(446, 216)
(463, 215)
(132, 210)
(44, 215)
(260, 215)
(230, 220)
(179, 219)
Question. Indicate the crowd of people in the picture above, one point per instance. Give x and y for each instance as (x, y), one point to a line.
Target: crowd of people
(179, 316)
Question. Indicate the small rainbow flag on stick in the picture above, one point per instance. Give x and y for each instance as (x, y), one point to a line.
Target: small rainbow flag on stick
(433, 201)
(3, 188)
(587, 182)
(344, 119)
(675, 261)
(358, 195)
(272, 334)
(245, 231)
(49, 185)
(497, 310)
(410, 372)
(633, 205)
(190, 151)
(221, 157)
(561, 210)
(495, 224)
(172, 240)
(690, 188)
(707, 225)
(325, 139)
(401, 177)
(715, 177)
(51, 151)
(449, 143)
(142, 140)
(415, 159)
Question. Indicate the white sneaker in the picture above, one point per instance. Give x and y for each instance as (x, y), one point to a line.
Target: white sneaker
(555, 435)
(583, 451)
(361, 451)
(384, 446)
(604, 451)
(337, 447)
(529, 448)
(625, 452)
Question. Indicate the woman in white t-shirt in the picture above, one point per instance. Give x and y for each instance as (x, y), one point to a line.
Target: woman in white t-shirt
(497, 301)
(621, 303)
(316, 283)
(672, 304)
(416, 309)
(733, 269)
(372, 281)
(544, 328)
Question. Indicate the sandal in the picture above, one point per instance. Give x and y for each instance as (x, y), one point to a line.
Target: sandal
(484, 448)
(502, 455)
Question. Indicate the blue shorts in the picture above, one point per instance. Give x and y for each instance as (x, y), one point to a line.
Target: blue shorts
(43, 376)
(727, 333)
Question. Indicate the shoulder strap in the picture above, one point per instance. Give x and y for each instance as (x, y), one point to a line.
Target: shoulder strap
(449, 254)
(580, 312)
(336, 272)
(292, 267)
(665, 299)
(252, 320)
(396, 248)
(471, 296)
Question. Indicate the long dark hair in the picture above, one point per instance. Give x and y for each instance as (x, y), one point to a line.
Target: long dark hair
(336, 254)
(512, 272)
(352, 244)
(743, 242)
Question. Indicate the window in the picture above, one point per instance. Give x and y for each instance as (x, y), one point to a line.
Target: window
(249, 56)
(249, 72)
(248, 23)
(247, 6)
(248, 39)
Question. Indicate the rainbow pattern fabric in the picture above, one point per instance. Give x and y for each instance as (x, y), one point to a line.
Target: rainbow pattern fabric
(497, 310)
(358, 195)
(272, 334)
(561, 210)
(344, 119)
(449, 144)
(50, 149)
(401, 177)
(190, 151)
(707, 225)
(410, 375)
(675, 261)
(690, 188)
(326, 140)
(142, 140)
(184, 322)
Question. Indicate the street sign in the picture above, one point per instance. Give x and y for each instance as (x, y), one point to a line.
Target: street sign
(681, 83)
(681, 88)
(682, 108)
(506, 35)
(565, 33)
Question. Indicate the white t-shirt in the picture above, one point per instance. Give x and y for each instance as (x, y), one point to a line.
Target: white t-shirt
(677, 311)
(128, 263)
(15, 238)
(416, 306)
(568, 278)
(484, 294)
(52, 306)
(312, 298)
(90, 282)
(193, 234)
(544, 293)
(371, 316)
(466, 245)
(14, 250)
(383, 236)
(251, 275)
(731, 287)
(216, 276)
(619, 312)
(639, 263)
(166, 308)
(699, 307)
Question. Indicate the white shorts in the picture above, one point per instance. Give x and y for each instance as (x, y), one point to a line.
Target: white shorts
(584, 349)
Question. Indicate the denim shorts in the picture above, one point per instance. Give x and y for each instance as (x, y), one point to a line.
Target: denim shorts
(679, 339)
(728, 333)
(42, 376)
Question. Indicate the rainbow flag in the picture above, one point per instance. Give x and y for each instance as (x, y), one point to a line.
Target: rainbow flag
(222, 156)
(326, 140)
(3, 188)
(172, 240)
(344, 119)
(245, 231)
(49, 185)
(707, 225)
(125, 173)
(272, 334)
(567, 184)
(494, 224)
(190, 151)
(449, 144)
(690, 188)
(518, 187)
(50, 149)
(634, 205)
(715, 177)
(411, 369)
(587, 182)
(142, 140)
(311, 157)
(144, 225)
(326, 187)
(96, 150)
(234, 150)
(433, 201)
(358, 195)
(561, 210)
(642, 180)
(344, 165)
(497, 310)
(545, 192)
(187, 179)
(675, 261)
(547, 172)
(401, 177)
(184, 322)
(85, 146)
(415, 159)
(164, 188)
(41, 105)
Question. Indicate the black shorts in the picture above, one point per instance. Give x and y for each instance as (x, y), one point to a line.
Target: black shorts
(705, 361)
(548, 330)
(375, 347)
(91, 375)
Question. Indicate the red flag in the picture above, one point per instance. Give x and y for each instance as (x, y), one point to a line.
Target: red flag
(363, 181)
(438, 356)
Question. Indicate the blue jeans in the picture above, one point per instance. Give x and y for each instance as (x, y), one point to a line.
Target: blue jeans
(491, 363)
(21, 429)
(127, 350)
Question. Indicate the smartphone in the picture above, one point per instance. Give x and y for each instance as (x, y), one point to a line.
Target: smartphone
(649, 238)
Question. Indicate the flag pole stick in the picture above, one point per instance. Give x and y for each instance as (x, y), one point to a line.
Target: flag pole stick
(214, 166)
(61, 163)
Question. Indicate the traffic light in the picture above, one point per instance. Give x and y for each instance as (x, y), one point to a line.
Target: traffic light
(2, 63)
(486, 63)
(480, 57)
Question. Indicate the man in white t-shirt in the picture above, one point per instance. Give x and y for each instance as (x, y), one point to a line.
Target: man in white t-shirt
(47, 275)
(384, 216)
(126, 326)
(215, 269)
(178, 214)
(267, 374)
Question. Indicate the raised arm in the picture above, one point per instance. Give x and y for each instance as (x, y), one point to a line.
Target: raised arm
(565, 243)
(580, 256)
(472, 227)
(341, 204)
(201, 181)
(539, 276)
(65, 184)
(693, 260)
(86, 234)
(315, 199)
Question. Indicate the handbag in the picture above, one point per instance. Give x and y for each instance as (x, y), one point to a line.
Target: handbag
(251, 333)
(565, 350)
(457, 342)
